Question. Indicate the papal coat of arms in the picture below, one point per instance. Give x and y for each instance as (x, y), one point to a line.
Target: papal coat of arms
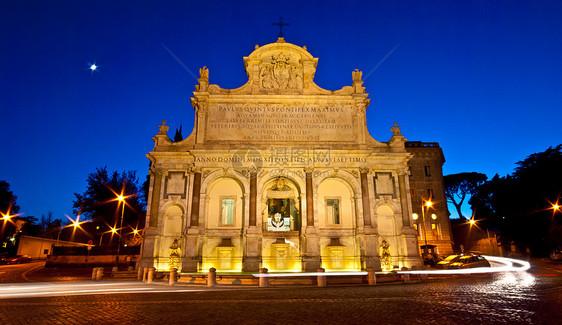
(280, 73)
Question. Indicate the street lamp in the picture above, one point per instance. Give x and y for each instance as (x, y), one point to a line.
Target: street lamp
(111, 230)
(74, 223)
(555, 208)
(121, 199)
(6, 217)
(427, 204)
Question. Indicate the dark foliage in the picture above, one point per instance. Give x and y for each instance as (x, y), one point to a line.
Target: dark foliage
(178, 136)
(99, 205)
(520, 205)
(7, 199)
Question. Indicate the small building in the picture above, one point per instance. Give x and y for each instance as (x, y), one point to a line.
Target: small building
(40, 248)
(282, 174)
(426, 183)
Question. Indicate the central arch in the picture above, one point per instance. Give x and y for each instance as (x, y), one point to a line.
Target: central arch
(281, 222)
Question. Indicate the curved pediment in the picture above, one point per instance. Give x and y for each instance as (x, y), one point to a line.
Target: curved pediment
(278, 68)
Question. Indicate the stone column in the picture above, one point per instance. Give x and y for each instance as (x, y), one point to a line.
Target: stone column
(365, 198)
(155, 201)
(190, 246)
(252, 235)
(309, 200)
(404, 200)
(253, 194)
(311, 256)
(195, 199)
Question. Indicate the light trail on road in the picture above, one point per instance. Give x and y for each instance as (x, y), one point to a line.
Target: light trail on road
(48, 289)
(506, 265)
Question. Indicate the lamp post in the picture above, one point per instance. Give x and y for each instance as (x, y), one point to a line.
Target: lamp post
(6, 217)
(121, 199)
(75, 223)
(427, 204)
(112, 230)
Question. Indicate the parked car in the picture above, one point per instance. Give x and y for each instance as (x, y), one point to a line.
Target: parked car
(470, 261)
(444, 264)
(429, 255)
(556, 254)
(18, 259)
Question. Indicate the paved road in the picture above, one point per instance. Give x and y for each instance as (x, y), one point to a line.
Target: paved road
(509, 298)
(16, 273)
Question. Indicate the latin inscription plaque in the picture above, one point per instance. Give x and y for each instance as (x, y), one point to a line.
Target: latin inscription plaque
(231, 122)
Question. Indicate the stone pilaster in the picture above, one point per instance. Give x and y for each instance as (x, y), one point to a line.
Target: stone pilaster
(365, 198)
(195, 199)
(155, 201)
(253, 195)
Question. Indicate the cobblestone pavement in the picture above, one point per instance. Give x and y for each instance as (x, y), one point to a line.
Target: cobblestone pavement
(506, 298)
(16, 272)
(501, 299)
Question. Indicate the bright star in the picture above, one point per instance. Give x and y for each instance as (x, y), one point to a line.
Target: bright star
(93, 67)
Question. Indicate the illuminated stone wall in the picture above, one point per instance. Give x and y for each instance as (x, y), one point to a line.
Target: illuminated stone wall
(279, 173)
(426, 181)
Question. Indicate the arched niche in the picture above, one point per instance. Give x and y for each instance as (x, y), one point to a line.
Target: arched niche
(335, 203)
(225, 203)
(386, 221)
(173, 220)
(281, 205)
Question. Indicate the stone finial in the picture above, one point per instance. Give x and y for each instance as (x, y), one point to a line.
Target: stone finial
(204, 73)
(397, 141)
(163, 128)
(395, 130)
(203, 79)
(357, 75)
(358, 82)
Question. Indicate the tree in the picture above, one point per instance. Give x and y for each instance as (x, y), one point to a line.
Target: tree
(178, 136)
(7, 199)
(520, 204)
(459, 186)
(100, 206)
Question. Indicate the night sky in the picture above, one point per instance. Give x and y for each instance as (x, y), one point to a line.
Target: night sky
(482, 78)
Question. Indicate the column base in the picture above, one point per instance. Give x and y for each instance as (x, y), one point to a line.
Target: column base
(373, 262)
(251, 264)
(311, 263)
(189, 264)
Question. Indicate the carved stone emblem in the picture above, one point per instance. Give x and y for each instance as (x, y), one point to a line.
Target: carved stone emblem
(281, 73)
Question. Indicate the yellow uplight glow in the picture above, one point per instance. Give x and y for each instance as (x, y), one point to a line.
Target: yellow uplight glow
(433, 216)
(415, 216)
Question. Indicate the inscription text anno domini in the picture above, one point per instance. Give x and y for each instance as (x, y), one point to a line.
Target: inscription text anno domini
(280, 123)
